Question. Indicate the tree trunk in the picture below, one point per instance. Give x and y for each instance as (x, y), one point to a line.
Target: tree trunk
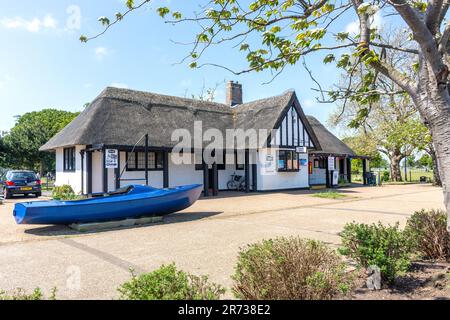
(395, 159)
(439, 126)
(436, 177)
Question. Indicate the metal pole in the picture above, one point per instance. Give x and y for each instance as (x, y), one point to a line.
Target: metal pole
(146, 159)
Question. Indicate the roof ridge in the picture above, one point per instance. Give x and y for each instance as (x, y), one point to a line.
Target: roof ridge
(109, 88)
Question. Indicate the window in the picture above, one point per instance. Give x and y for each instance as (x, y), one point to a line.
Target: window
(288, 160)
(136, 161)
(69, 159)
(320, 163)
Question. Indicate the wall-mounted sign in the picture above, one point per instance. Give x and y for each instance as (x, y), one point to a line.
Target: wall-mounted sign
(111, 158)
(331, 163)
(300, 149)
(303, 162)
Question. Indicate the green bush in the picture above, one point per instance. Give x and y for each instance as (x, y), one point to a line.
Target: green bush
(290, 268)
(386, 176)
(21, 294)
(428, 233)
(64, 192)
(386, 247)
(168, 283)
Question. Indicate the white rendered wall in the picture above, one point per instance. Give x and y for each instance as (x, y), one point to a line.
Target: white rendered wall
(97, 171)
(270, 179)
(71, 178)
(184, 173)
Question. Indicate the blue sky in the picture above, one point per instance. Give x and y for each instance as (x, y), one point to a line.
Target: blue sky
(43, 64)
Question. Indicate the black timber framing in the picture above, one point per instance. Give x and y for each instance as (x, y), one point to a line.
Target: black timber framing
(105, 172)
(364, 165)
(349, 170)
(215, 173)
(89, 172)
(82, 152)
(312, 139)
(247, 171)
(146, 159)
(205, 180)
(165, 169)
(254, 174)
(117, 171)
(327, 176)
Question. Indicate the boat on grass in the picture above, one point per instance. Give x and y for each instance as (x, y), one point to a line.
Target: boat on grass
(133, 201)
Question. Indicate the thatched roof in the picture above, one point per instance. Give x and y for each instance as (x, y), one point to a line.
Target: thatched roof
(119, 117)
(122, 116)
(329, 143)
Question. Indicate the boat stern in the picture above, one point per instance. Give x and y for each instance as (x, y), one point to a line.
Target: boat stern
(19, 212)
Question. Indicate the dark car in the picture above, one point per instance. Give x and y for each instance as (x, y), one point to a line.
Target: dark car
(20, 182)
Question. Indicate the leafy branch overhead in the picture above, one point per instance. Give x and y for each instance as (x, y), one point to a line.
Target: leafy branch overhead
(291, 29)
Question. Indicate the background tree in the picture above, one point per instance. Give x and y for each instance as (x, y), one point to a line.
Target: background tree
(2, 151)
(425, 161)
(393, 128)
(31, 131)
(276, 33)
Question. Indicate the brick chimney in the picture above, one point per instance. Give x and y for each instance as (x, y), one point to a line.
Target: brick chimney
(234, 93)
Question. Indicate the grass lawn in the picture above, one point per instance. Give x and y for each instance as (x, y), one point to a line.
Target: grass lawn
(329, 194)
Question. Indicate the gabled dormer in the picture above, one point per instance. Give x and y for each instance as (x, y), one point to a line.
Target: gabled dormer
(293, 129)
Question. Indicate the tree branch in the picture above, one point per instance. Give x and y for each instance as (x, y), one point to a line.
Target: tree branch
(86, 39)
(432, 15)
(424, 38)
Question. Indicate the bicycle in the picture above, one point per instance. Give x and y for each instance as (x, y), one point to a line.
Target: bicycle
(237, 182)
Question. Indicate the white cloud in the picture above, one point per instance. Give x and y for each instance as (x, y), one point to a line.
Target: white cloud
(119, 85)
(101, 52)
(308, 103)
(32, 25)
(376, 22)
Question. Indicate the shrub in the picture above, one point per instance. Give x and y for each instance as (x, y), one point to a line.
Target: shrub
(21, 294)
(168, 283)
(386, 176)
(64, 192)
(290, 268)
(386, 247)
(428, 233)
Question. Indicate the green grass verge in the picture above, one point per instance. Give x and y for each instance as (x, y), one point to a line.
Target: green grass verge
(329, 195)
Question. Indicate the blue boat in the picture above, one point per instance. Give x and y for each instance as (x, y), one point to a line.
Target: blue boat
(133, 201)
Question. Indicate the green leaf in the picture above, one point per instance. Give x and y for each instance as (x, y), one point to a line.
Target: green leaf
(104, 21)
(83, 38)
(176, 15)
(193, 65)
(130, 4)
(244, 47)
(163, 11)
(329, 58)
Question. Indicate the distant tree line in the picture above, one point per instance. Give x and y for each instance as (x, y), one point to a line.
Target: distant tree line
(19, 148)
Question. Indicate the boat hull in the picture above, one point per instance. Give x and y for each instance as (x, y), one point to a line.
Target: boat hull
(141, 201)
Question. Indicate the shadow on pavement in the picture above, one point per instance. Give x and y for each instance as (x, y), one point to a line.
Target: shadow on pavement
(63, 230)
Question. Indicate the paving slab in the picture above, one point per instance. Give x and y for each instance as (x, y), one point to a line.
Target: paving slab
(203, 239)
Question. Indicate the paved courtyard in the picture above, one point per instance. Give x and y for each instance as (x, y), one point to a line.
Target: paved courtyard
(203, 239)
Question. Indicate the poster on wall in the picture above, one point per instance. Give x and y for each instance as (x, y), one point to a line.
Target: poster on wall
(111, 158)
(331, 163)
(303, 162)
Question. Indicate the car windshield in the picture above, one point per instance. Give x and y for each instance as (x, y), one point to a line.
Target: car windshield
(22, 176)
